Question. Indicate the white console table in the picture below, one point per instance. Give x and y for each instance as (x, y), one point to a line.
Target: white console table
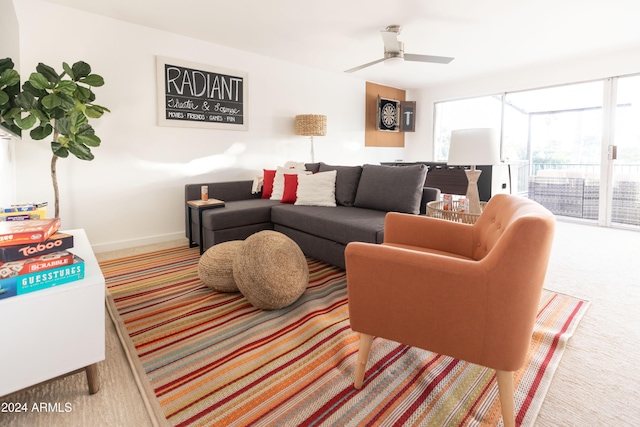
(56, 331)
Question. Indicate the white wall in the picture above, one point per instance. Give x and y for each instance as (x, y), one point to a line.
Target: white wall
(419, 145)
(132, 192)
(9, 48)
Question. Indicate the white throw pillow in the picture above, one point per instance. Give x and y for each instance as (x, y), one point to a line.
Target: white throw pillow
(278, 181)
(318, 189)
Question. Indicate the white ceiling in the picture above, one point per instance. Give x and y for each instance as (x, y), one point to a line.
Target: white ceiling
(484, 36)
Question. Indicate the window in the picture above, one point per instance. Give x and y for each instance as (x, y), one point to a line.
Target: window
(482, 112)
(555, 141)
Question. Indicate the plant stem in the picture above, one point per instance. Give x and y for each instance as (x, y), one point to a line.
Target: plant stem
(54, 176)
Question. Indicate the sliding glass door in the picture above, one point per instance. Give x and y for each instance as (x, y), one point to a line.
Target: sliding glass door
(624, 155)
(563, 130)
(574, 148)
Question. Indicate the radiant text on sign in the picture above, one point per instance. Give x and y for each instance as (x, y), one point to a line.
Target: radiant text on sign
(203, 96)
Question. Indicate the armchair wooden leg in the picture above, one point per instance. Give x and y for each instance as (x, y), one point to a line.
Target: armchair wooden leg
(363, 356)
(505, 390)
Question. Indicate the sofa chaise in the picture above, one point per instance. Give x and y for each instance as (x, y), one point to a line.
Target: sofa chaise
(363, 196)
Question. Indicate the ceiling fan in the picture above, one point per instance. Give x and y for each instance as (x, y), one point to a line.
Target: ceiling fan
(394, 50)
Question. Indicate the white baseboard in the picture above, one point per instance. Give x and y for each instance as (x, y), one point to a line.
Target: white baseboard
(134, 243)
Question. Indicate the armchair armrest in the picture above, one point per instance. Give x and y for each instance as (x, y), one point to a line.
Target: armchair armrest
(427, 232)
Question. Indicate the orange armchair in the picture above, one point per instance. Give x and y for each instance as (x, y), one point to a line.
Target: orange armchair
(466, 291)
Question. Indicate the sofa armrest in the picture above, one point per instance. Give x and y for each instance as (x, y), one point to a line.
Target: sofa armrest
(429, 194)
(226, 191)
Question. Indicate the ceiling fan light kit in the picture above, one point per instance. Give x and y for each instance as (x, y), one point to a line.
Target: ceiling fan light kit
(394, 51)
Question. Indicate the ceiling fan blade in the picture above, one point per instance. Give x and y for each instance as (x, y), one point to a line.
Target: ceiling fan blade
(368, 64)
(428, 58)
(390, 40)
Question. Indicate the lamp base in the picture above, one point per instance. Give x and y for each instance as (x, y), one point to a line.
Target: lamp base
(313, 157)
(472, 190)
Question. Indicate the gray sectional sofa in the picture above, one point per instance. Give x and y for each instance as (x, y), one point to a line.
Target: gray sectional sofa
(364, 194)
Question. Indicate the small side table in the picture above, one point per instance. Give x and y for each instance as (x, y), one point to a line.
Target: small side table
(435, 210)
(57, 331)
(200, 206)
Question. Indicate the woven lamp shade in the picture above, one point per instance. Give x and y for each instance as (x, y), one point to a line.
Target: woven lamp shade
(311, 124)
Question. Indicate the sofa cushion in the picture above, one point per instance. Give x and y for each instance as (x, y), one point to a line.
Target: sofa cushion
(391, 188)
(312, 167)
(346, 182)
(278, 181)
(267, 182)
(290, 188)
(341, 224)
(318, 189)
(237, 214)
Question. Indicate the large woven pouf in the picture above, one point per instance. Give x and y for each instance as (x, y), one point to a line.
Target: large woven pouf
(215, 267)
(270, 270)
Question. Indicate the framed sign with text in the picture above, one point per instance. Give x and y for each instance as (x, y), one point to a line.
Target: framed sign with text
(198, 95)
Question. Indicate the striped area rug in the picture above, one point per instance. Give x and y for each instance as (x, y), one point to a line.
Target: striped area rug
(205, 358)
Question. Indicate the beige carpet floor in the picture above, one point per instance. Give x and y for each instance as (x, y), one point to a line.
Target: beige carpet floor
(597, 382)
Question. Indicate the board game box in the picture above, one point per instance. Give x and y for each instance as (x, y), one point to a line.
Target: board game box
(55, 243)
(30, 231)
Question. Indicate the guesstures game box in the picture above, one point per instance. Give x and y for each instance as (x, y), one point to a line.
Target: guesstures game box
(26, 283)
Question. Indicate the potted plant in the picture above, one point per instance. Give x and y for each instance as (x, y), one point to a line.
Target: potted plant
(62, 104)
(9, 89)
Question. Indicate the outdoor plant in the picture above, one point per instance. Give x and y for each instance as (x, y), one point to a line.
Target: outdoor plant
(61, 104)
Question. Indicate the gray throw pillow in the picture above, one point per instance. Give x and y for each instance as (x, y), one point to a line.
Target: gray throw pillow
(346, 182)
(391, 188)
(313, 167)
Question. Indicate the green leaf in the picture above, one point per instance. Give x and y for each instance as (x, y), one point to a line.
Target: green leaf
(93, 112)
(26, 122)
(13, 113)
(56, 113)
(66, 86)
(67, 103)
(82, 93)
(40, 115)
(81, 69)
(39, 81)
(77, 120)
(59, 150)
(63, 126)
(48, 72)
(51, 101)
(41, 132)
(5, 64)
(26, 101)
(4, 98)
(81, 151)
(67, 69)
(38, 93)
(10, 78)
(90, 140)
(93, 80)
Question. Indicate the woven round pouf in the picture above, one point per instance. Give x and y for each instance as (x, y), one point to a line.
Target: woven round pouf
(270, 270)
(215, 267)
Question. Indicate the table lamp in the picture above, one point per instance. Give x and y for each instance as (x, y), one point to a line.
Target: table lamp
(471, 147)
(311, 125)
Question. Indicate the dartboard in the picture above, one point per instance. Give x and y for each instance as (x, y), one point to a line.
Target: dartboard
(388, 115)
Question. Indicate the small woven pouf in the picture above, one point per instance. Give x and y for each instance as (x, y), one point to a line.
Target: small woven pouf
(215, 267)
(270, 270)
